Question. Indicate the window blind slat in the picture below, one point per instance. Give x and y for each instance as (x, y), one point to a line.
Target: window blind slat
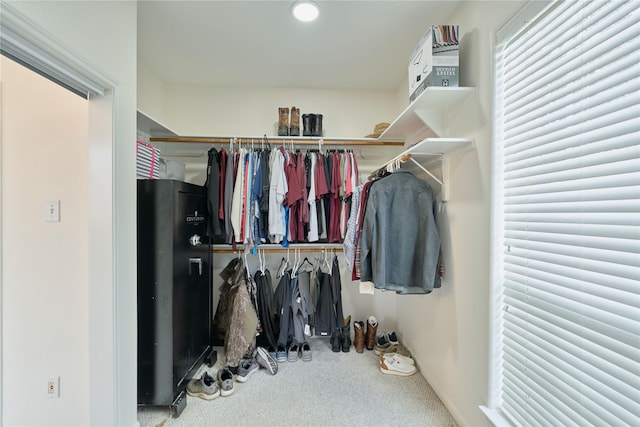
(556, 272)
(518, 237)
(606, 231)
(552, 173)
(588, 183)
(550, 261)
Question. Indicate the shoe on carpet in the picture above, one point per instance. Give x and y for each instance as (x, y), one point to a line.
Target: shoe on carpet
(395, 366)
(245, 369)
(273, 353)
(358, 339)
(205, 387)
(281, 354)
(305, 348)
(386, 337)
(266, 361)
(404, 359)
(336, 340)
(226, 381)
(370, 334)
(395, 348)
(292, 354)
(384, 341)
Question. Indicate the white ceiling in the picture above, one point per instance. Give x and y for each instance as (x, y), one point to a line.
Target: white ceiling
(352, 45)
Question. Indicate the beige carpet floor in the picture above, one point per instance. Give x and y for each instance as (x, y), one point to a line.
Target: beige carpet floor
(334, 389)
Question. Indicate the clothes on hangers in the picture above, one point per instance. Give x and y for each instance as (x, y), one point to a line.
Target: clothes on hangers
(279, 196)
(269, 333)
(400, 239)
(236, 319)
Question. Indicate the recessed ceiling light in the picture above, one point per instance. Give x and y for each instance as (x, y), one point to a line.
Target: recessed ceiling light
(305, 10)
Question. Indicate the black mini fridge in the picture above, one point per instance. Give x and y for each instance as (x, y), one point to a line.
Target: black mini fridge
(174, 290)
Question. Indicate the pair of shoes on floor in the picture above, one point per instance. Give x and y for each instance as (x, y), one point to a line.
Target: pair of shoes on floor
(246, 368)
(393, 348)
(387, 343)
(204, 387)
(266, 361)
(302, 350)
(397, 364)
(383, 338)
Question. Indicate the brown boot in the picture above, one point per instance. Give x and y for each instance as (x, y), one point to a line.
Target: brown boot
(294, 125)
(283, 121)
(372, 327)
(358, 339)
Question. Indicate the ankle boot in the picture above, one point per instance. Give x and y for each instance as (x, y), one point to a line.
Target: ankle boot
(283, 121)
(317, 125)
(308, 121)
(294, 125)
(346, 335)
(335, 340)
(358, 336)
(372, 327)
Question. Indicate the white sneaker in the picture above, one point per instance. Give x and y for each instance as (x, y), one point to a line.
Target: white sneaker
(400, 357)
(395, 366)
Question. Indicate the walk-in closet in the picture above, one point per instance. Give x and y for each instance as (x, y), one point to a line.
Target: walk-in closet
(249, 219)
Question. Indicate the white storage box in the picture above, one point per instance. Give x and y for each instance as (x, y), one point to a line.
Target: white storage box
(435, 61)
(169, 169)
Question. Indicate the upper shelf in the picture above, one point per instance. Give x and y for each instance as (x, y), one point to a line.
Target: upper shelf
(152, 127)
(426, 116)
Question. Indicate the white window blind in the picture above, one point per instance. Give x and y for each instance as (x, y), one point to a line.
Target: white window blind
(568, 200)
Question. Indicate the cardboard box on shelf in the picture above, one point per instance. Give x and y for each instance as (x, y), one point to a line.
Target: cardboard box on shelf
(435, 61)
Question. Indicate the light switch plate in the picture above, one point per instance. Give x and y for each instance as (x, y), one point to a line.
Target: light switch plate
(52, 211)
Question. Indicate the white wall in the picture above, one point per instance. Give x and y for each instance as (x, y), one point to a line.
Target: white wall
(103, 33)
(448, 331)
(206, 111)
(150, 94)
(45, 264)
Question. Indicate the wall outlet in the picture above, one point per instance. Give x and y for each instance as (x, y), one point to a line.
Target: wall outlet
(53, 387)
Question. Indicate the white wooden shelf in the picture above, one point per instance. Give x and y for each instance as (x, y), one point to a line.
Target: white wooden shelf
(152, 127)
(421, 155)
(426, 116)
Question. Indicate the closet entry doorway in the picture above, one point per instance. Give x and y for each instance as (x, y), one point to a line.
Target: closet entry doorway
(44, 261)
(47, 287)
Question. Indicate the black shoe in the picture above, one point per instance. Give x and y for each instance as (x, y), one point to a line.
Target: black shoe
(317, 125)
(336, 340)
(308, 122)
(345, 336)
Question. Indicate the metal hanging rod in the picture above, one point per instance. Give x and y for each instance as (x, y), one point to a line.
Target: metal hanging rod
(300, 247)
(280, 140)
